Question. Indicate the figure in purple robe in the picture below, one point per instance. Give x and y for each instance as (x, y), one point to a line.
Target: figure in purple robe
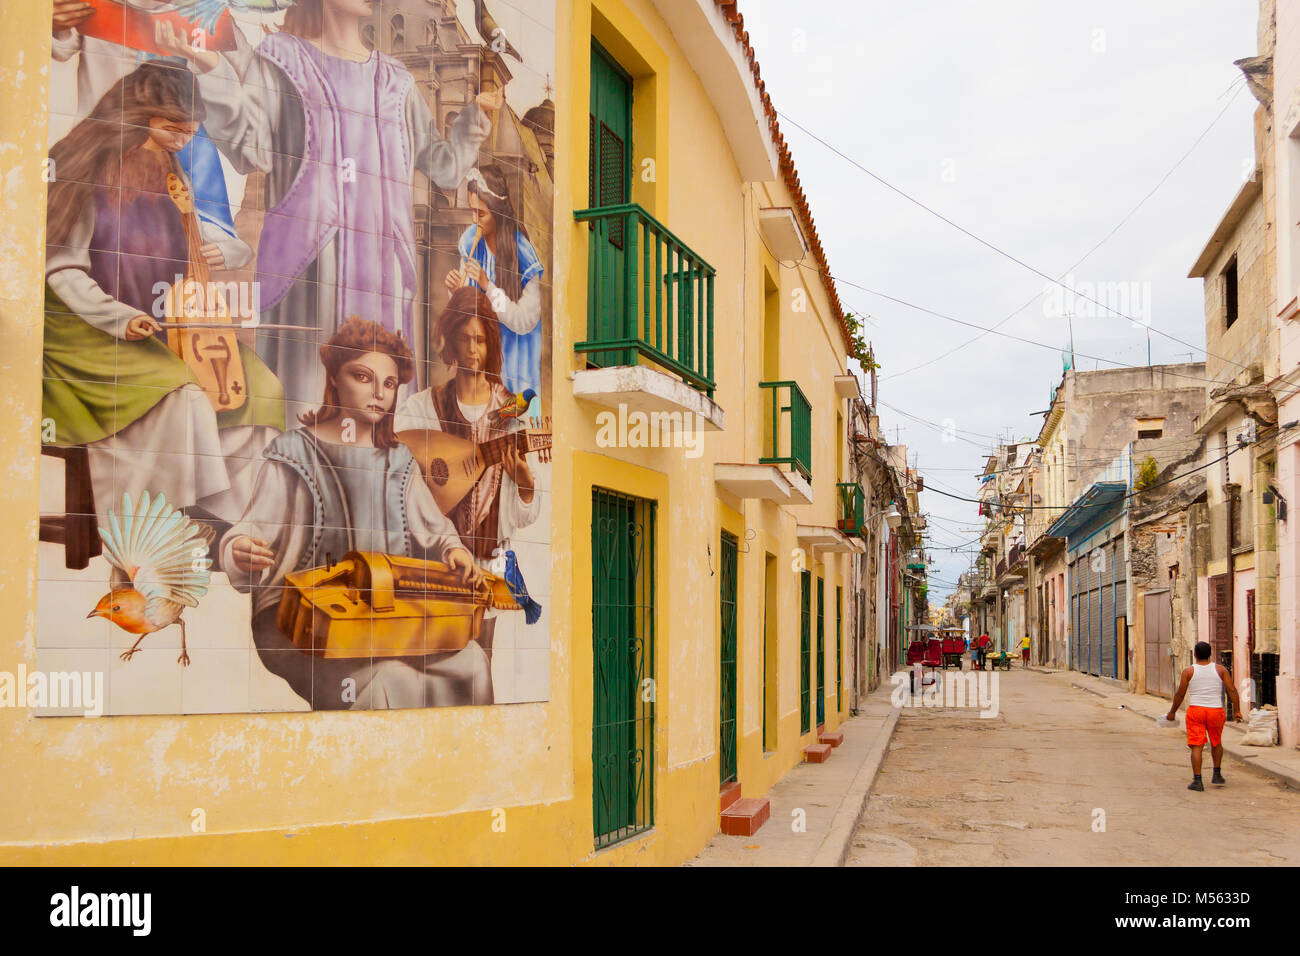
(339, 130)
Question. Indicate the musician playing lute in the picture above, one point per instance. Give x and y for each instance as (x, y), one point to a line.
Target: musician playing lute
(503, 499)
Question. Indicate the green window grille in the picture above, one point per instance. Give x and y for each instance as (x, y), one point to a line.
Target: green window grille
(805, 651)
(622, 634)
(798, 433)
(821, 652)
(727, 692)
(839, 651)
(648, 294)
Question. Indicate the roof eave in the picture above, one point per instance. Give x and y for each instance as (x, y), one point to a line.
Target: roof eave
(706, 35)
(1250, 191)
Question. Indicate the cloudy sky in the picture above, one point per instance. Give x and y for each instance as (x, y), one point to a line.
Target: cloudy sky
(1038, 127)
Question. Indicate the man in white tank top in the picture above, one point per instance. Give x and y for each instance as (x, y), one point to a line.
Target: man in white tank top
(1204, 685)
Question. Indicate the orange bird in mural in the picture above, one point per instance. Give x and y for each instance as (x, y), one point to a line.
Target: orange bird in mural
(160, 567)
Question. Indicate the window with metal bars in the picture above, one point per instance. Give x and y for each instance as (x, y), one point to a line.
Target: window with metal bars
(727, 690)
(622, 635)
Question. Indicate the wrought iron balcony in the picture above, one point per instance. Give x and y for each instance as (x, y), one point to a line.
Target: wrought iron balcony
(648, 294)
(852, 508)
(798, 433)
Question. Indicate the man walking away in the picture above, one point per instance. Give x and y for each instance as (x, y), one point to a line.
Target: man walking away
(1024, 651)
(1204, 684)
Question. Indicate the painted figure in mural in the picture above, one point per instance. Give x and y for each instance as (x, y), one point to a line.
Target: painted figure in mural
(339, 129)
(467, 406)
(497, 257)
(343, 483)
(101, 63)
(115, 237)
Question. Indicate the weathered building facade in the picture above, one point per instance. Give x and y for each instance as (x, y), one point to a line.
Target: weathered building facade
(1237, 577)
(1280, 46)
(1100, 428)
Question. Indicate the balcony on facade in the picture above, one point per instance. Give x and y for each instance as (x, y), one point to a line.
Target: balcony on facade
(820, 538)
(852, 508)
(1012, 564)
(649, 337)
(784, 470)
(1042, 544)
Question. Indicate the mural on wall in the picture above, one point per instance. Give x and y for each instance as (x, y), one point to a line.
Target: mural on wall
(295, 433)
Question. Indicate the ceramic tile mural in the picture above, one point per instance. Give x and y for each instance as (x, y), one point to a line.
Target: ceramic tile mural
(296, 444)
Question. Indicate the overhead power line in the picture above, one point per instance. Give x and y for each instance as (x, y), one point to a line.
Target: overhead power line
(1009, 335)
(1131, 494)
(995, 248)
(1238, 85)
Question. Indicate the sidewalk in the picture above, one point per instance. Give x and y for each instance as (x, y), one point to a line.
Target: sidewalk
(831, 794)
(1280, 762)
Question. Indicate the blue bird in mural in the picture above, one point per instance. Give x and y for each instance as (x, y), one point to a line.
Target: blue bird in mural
(519, 590)
(517, 406)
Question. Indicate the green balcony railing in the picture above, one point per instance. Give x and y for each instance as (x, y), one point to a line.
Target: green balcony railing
(852, 508)
(648, 294)
(798, 432)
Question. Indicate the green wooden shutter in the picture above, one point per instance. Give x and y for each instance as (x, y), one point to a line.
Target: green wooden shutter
(610, 171)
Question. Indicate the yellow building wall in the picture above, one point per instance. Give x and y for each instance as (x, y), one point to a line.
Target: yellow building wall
(490, 785)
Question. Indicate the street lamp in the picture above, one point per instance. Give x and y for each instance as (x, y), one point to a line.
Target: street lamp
(892, 517)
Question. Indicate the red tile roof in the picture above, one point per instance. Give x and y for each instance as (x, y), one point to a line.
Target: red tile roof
(788, 172)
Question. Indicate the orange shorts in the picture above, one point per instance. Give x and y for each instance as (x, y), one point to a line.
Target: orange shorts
(1202, 721)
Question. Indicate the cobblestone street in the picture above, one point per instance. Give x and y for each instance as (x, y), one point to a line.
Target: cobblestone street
(1024, 788)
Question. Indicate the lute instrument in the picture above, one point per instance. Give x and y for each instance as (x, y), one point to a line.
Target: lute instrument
(451, 465)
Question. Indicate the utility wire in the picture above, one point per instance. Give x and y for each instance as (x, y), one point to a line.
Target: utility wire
(1104, 239)
(984, 242)
(1132, 494)
(1018, 338)
(939, 425)
(1167, 369)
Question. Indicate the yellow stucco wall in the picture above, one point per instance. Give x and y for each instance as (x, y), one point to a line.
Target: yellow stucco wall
(422, 785)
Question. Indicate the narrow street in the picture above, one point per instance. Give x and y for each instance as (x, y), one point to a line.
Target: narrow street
(1024, 787)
